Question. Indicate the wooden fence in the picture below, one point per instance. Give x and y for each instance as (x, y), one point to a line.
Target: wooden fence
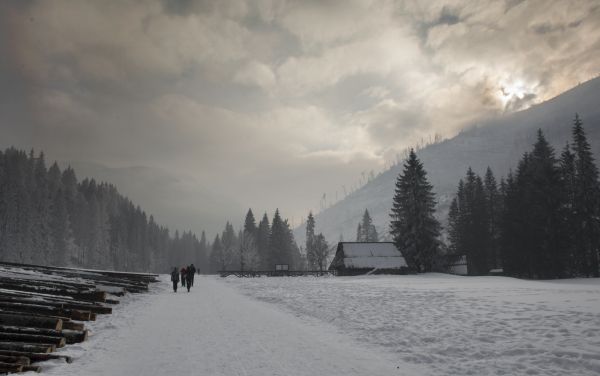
(275, 273)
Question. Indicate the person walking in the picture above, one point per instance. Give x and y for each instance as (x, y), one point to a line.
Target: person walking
(192, 273)
(175, 278)
(183, 276)
(189, 278)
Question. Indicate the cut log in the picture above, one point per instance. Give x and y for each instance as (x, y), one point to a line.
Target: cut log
(48, 310)
(91, 296)
(36, 357)
(31, 321)
(33, 338)
(21, 313)
(60, 303)
(141, 277)
(10, 368)
(23, 360)
(72, 325)
(29, 347)
(111, 301)
(36, 369)
(75, 336)
(60, 284)
(71, 336)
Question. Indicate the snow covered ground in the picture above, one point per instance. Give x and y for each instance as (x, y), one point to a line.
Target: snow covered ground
(214, 330)
(430, 324)
(450, 325)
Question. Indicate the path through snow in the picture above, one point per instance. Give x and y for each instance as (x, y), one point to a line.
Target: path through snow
(214, 330)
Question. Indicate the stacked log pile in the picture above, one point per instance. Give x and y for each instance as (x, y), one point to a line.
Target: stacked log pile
(45, 308)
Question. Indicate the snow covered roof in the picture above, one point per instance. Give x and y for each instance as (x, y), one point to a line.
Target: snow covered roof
(368, 256)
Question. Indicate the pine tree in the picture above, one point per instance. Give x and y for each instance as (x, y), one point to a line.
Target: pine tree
(277, 242)
(202, 261)
(454, 228)
(414, 228)
(568, 183)
(586, 203)
(216, 256)
(250, 224)
(469, 224)
(549, 260)
(262, 242)
(534, 229)
(229, 248)
(493, 207)
(310, 241)
(513, 260)
(366, 230)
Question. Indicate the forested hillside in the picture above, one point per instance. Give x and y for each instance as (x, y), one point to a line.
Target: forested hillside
(498, 143)
(48, 217)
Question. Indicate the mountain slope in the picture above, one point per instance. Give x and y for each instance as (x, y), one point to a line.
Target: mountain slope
(497, 143)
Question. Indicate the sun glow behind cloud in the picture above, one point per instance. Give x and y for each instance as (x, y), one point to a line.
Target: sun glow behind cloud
(293, 98)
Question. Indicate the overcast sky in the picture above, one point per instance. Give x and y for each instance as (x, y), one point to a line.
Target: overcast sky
(273, 103)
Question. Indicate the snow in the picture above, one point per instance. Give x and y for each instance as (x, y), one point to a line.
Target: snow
(371, 255)
(370, 249)
(214, 330)
(432, 324)
(452, 325)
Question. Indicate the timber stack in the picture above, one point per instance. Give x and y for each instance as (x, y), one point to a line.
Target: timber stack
(44, 308)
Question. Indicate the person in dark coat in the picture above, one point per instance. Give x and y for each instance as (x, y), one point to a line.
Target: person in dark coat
(175, 279)
(183, 278)
(191, 273)
(189, 278)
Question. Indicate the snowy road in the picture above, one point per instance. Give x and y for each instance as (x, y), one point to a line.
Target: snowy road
(215, 330)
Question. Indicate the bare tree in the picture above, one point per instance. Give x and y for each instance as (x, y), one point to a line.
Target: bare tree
(321, 251)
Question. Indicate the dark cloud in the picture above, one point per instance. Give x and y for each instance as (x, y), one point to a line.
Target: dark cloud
(281, 98)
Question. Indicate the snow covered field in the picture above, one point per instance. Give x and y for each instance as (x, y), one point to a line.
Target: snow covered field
(451, 325)
(430, 324)
(212, 331)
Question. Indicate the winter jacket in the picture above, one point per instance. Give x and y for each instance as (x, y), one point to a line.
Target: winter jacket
(174, 276)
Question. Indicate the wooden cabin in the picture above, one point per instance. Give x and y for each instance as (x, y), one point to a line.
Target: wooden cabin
(353, 258)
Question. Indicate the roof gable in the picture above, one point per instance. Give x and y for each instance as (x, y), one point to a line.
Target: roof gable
(370, 250)
(369, 256)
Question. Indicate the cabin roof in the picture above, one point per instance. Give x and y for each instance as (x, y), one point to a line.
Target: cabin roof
(380, 255)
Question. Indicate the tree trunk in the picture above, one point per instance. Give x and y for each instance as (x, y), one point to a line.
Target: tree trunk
(35, 356)
(23, 360)
(71, 336)
(92, 296)
(72, 325)
(29, 347)
(32, 338)
(36, 369)
(55, 311)
(10, 368)
(31, 321)
(73, 304)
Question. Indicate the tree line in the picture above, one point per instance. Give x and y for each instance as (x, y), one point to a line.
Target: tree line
(259, 246)
(541, 221)
(48, 217)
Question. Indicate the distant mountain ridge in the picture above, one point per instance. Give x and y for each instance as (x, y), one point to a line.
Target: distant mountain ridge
(497, 142)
